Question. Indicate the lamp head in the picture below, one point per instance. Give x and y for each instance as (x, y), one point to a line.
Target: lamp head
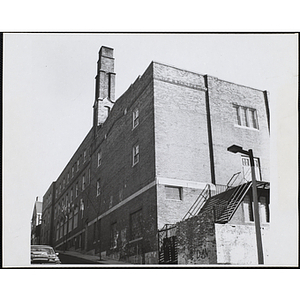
(235, 149)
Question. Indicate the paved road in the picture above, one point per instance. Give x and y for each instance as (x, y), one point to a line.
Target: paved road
(68, 259)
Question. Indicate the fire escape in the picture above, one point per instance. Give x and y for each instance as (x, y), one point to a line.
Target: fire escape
(223, 201)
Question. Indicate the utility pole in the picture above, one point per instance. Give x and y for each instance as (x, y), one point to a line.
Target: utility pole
(238, 149)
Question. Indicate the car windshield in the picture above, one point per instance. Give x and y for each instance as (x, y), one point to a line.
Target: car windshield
(48, 250)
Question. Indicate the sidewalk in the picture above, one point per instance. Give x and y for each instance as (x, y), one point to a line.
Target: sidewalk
(94, 258)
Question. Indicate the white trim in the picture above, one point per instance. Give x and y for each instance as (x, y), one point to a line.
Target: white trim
(183, 183)
(158, 180)
(135, 240)
(135, 118)
(68, 239)
(142, 190)
(246, 127)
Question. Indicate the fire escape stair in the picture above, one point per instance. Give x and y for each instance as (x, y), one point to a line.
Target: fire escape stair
(199, 203)
(227, 210)
(225, 204)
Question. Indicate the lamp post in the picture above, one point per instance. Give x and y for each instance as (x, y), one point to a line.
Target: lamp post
(238, 149)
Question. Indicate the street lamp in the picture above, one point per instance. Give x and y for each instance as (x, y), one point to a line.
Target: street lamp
(238, 149)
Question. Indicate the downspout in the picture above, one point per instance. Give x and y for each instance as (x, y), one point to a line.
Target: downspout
(267, 108)
(209, 131)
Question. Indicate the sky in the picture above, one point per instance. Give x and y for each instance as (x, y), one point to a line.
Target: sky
(49, 88)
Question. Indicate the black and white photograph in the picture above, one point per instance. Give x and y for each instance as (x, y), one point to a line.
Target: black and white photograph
(142, 150)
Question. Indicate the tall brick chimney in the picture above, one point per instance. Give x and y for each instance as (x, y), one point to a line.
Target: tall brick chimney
(105, 86)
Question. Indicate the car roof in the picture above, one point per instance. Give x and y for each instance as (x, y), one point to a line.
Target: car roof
(41, 246)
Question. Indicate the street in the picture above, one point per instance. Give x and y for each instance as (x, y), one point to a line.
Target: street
(68, 259)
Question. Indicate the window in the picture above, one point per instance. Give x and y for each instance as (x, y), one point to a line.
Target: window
(57, 231)
(83, 182)
(264, 210)
(71, 195)
(246, 169)
(136, 225)
(65, 225)
(68, 177)
(77, 169)
(84, 156)
(98, 187)
(136, 154)
(75, 216)
(96, 231)
(246, 116)
(61, 228)
(70, 221)
(248, 209)
(81, 207)
(72, 171)
(99, 158)
(173, 192)
(64, 183)
(253, 118)
(135, 118)
(113, 235)
(80, 241)
(76, 190)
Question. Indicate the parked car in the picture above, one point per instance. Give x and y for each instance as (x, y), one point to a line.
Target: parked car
(42, 254)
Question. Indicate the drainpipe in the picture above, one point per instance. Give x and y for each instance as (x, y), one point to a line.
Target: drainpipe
(209, 131)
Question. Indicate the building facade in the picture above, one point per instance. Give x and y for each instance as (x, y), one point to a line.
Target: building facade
(48, 215)
(149, 155)
(36, 221)
(221, 232)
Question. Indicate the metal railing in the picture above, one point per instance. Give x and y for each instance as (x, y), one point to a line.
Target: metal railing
(233, 202)
(198, 204)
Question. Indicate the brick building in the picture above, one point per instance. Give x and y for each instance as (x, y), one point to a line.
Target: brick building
(149, 155)
(47, 212)
(36, 221)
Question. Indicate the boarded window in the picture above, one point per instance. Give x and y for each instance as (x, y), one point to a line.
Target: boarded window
(264, 210)
(173, 192)
(70, 221)
(113, 235)
(76, 189)
(75, 216)
(98, 187)
(99, 158)
(57, 231)
(136, 225)
(248, 209)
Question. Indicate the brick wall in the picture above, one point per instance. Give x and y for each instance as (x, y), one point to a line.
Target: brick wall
(134, 250)
(173, 141)
(47, 229)
(196, 240)
(181, 142)
(222, 96)
(120, 180)
(65, 190)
